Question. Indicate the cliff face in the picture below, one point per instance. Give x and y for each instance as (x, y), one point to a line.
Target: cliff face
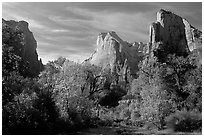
(173, 34)
(29, 53)
(118, 55)
(170, 34)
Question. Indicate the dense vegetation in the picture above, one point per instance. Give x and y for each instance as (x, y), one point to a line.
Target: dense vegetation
(168, 88)
(67, 96)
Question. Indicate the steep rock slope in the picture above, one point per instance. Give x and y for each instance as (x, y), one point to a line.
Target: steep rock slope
(118, 55)
(173, 34)
(29, 53)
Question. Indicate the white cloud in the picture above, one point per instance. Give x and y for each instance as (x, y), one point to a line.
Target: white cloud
(59, 30)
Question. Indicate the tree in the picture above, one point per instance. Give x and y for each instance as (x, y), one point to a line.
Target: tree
(156, 103)
(166, 87)
(183, 79)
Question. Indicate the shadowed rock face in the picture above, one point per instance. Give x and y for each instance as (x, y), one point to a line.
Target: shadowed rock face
(29, 52)
(118, 55)
(173, 34)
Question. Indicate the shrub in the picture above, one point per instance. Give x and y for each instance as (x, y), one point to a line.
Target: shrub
(21, 117)
(30, 112)
(125, 114)
(76, 109)
(135, 115)
(163, 88)
(185, 121)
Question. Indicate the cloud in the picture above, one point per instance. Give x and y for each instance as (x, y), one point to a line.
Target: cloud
(70, 29)
(113, 7)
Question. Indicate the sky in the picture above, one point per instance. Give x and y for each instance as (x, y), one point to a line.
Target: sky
(70, 29)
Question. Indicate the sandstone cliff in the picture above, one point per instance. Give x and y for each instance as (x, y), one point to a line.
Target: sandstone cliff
(29, 53)
(168, 35)
(173, 34)
(118, 55)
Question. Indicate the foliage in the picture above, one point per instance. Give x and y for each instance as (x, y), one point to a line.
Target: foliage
(185, 121)
(30, 111)
(125, 114)
(77, 110)
(163, 88)
(155, 100)
(13, 84)
(86, 80)
(41, 105)
(62, 99)
(73, 88)
(68, 96)
(12, 49)
(183, 80)
(12, 38)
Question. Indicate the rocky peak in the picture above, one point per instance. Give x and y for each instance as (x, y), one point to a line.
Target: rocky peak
(118, 55)
(29, 52)
(174, 34)
(169, 34)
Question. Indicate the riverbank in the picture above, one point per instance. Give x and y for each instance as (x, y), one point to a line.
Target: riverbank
(130, 130)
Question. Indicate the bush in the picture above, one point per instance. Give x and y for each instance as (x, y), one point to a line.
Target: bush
(125, 114)
(20, 117)
(75, 109)
(163, 88)
(185, 121)
(31, 111)
(135, 115)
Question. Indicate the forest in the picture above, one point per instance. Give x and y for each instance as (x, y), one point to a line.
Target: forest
(68, 97)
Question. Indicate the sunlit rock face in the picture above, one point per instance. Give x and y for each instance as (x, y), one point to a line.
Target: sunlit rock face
(170, 34)
(29, 52)
(173, 34)
(118, 55)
